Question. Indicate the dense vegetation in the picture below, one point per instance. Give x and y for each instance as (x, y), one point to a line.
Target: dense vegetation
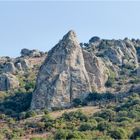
(116, 120)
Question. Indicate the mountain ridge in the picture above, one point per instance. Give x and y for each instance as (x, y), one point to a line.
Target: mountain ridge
(72, 70)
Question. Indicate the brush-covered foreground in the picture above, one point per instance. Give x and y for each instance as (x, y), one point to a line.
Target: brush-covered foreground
(109, 119)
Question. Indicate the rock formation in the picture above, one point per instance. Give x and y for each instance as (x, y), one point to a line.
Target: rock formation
(67, 73)
(63, 76)
(8, 82)
(97, 71)
(71, 70)
(13, 71)
(9, 67)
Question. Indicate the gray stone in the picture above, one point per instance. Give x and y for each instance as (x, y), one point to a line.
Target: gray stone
(9, 67)
(62, 77)
(68, 73)
(97, 71)
(8, 82)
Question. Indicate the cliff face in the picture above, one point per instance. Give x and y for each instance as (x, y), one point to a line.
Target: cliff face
(69, 72)
(63, 76)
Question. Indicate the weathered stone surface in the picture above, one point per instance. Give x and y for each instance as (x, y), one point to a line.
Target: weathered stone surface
(9, 67)
(68, 73)
(63, 76)
(8, 81)
(23, 64)
(18, 66)
(119, 52)
(97, 71)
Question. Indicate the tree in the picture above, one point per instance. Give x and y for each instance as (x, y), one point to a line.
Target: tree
(93, 96)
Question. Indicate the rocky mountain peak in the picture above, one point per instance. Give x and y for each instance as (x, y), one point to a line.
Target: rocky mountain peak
(71, 35)
(64, 75)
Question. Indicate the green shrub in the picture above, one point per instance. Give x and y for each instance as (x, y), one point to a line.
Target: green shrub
(111, 78)
(30, 113)
(18, 102)
(90, 125)
(77, 102)
(75, 135)
(118, 133)
(77, 115)
(29, 86)
(102, 126)
(107, 114)
(108, 96)
(46, 111)
(110, 82)
(61, 134)
(122, 114)
(135, 133)
(98, 119)
(46, 118)
(121, 119)
(85, 127)
(93, 97)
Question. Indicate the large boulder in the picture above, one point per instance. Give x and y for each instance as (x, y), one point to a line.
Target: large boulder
(23, 64)
(9, 67)
(8, 81)
(63, 76)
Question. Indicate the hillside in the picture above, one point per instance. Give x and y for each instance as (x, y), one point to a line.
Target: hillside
(74, 91)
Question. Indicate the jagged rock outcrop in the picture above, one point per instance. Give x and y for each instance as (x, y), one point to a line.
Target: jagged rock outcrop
(23, 64)
(8, 82)
(121, 53)
(72, 70)
(66, 75)
(19, 67)
(9, 67)
(63, 76)
(97, 71)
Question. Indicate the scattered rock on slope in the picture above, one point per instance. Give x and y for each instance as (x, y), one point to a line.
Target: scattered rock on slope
(8, 82)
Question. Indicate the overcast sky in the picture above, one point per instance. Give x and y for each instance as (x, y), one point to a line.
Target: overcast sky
(40, 25)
